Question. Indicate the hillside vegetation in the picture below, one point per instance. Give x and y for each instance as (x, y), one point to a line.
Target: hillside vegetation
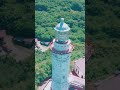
(15, 75)
(17, 17)
(102, 25)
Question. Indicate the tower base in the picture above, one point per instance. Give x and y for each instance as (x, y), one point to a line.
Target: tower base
(48, 86)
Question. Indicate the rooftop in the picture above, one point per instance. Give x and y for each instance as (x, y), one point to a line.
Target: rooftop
(76, 80)
(81, 64)
(62, 26)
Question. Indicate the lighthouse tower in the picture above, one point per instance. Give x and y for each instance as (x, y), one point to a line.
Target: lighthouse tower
(61, 50)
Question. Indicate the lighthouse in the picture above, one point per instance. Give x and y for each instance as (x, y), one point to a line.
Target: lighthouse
(61, 51)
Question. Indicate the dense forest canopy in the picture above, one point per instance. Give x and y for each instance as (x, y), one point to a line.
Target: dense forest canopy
(102, 25)
(17, 17)
(48, 13)
(16, 75)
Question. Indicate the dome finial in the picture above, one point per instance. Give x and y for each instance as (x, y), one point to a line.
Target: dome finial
(62, 20)
(62, 26)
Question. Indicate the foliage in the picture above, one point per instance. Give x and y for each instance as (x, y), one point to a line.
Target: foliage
(43, 66)
(16, 75)
(48, 16)
(102, 18)
(17, 17)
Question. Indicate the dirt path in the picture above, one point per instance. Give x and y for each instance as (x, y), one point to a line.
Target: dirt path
(42, 47)
(18, 52)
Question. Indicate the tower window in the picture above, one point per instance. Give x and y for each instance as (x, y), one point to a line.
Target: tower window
(63, 77)
(76, 70)
(82, 76)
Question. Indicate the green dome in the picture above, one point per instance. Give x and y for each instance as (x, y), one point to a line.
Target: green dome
(62, 26)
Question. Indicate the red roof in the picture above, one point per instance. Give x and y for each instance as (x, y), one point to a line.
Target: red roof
(80, 63)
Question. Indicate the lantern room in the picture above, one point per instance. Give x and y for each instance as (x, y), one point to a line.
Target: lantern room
(62, 31)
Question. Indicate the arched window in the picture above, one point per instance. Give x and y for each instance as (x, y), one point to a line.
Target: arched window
(82, 76)
(76, 70)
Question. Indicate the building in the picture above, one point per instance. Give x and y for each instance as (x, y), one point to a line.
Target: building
(61, 51)
(79, 67)
(77, 75)
(45, 43)
(18, 40)
(76, 83)
(26, 42)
